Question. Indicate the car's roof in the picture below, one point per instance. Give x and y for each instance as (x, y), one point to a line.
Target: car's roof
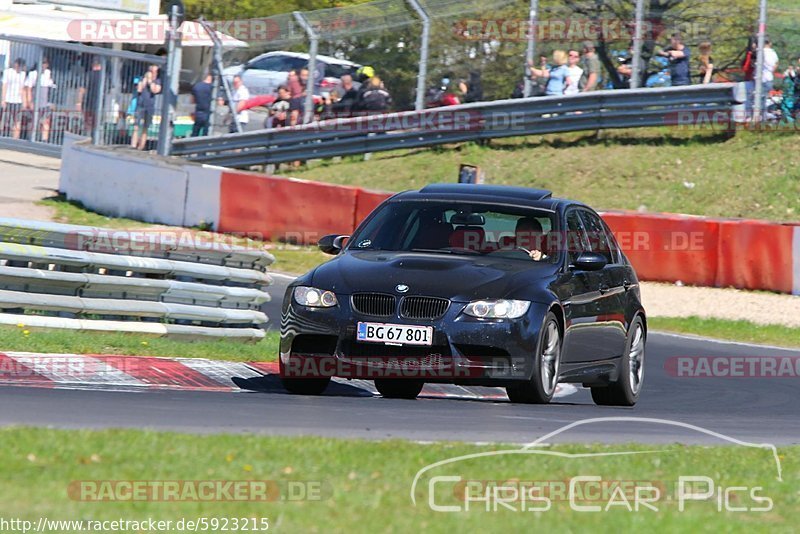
(302, 55)
(504, 194)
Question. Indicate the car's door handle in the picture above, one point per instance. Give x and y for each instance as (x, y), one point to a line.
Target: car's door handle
(604, 289)
(627, 285)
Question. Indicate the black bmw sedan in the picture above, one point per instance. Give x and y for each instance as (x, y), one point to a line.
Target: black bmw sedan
(471, 285)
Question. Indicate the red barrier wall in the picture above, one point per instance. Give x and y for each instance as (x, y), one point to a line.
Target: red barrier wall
(746, 254)
(284, 208)
(366, 201)
(755, 255)
(668, 248)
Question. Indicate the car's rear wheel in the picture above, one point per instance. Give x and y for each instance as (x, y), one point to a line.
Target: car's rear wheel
(303, 386)
(398, 389)
(625, 391)
(542, 385)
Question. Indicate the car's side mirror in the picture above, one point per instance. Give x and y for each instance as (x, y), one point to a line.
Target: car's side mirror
(332, 244)
(589, 261)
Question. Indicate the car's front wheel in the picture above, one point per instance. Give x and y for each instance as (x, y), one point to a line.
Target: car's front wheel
(302, 386)
(542, 385)
(625, 391)
(398, 389)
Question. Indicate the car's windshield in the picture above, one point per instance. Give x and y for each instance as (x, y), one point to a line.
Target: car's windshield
(462, 228)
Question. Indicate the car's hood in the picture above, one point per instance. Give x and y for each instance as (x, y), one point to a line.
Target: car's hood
(460, 278)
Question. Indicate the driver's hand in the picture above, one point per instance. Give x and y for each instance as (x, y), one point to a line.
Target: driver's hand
(536, 255)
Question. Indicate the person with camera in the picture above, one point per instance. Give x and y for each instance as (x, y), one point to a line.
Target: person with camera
(147, 89)
(678, 55)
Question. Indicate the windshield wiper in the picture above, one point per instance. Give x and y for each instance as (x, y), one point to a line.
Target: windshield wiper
(432, 250)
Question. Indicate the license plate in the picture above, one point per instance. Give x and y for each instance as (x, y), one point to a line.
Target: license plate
(395, 334)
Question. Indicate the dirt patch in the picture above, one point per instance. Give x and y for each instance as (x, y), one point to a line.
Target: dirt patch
(669, 300)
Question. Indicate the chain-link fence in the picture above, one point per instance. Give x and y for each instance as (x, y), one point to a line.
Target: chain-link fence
(52, 88)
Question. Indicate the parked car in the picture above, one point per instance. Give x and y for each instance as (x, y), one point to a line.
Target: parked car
(472, 285)
(263, 74)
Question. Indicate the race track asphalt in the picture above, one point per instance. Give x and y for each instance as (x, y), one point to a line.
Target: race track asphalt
(760, 410)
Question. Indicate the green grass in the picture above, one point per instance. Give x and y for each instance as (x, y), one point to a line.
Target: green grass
(744, 331)
(72, 212)
(750, 175)
(288, 258)
(28, 339)
(365, 485)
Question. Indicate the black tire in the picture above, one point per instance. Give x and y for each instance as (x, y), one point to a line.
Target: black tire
(303, 386)
(398, 388)
(533, 391)
(625, 391)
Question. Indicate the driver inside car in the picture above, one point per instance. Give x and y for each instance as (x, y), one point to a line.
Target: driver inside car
(529, 236)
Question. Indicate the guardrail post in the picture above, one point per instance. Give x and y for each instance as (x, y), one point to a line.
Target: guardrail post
(636, 74)
(169, 98)
(313, 38)
(758, 105)
(226, 84)
(422, 73)
(533, 20)
(99, 105)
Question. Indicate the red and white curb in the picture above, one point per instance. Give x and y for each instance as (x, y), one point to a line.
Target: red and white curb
(143, 373)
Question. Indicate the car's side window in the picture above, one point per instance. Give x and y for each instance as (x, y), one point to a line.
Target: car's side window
(575, 239)
(595, 231)
(612, 242)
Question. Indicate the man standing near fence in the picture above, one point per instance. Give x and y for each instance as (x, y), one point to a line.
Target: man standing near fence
(147, 88)
(201, 95)
(590, 63)
(40, 99)
(239, 98)
(12, 98)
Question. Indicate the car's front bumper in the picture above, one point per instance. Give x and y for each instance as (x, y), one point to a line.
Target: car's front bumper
(466, 350)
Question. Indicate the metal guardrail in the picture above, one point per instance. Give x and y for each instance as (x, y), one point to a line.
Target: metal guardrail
(151, 282)
(468, 122)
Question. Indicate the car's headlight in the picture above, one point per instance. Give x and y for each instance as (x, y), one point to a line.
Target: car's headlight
(497, 308)
(314, 298)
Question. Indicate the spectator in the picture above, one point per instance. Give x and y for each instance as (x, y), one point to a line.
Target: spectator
(222, 115)
(344, 106)
(325, 107)
(556, 76)
(678, 55)
(472, 89)
(791, 90)
(375, 98)
(147, 89)
(574, 73)
(706, 62)
(280, 109)
(749, 69)
(239, 97)
(297, 92)
(89, 95)
(41, 98)
(201, 96)
(625, 68)
(13, 97)
(592, 72)
(768, 74)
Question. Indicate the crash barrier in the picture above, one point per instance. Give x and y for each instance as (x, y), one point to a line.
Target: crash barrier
(174, 282)
(595, 110)
(740, 253)
(693, 250)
